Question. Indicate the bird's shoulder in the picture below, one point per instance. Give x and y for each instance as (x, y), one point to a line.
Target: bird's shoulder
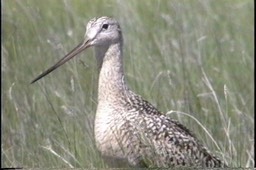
(154, 121)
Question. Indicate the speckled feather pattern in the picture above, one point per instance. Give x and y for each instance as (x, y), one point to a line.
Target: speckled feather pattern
(144, 136)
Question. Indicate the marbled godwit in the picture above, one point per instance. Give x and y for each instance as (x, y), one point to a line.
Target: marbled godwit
(127, 127)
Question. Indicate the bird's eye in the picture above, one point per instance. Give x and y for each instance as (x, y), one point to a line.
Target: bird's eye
(105, 26)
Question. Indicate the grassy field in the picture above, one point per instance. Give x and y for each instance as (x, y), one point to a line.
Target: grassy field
(193, 59)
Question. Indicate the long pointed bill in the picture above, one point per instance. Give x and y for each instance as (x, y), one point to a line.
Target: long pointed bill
(82, 46)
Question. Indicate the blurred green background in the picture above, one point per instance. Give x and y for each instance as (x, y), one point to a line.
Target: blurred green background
(195, 57)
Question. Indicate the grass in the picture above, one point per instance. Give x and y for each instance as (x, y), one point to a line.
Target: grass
(192, 59)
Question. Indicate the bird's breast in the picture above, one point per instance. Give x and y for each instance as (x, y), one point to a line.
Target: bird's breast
(108, 125)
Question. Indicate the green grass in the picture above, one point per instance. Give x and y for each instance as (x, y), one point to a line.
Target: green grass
(193, 57)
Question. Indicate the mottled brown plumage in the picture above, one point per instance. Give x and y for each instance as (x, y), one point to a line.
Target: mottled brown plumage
(128, 129)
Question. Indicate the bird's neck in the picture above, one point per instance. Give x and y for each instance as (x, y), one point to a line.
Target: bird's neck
(112, 84)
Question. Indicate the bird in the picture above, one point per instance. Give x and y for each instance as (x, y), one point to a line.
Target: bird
(128, 130)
